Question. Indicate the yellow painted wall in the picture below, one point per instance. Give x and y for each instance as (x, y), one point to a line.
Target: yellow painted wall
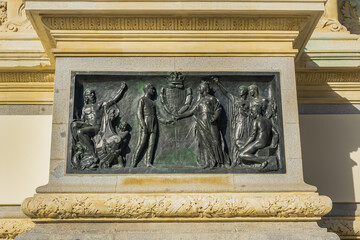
(331, 154)
(24, 155)
(330, 146)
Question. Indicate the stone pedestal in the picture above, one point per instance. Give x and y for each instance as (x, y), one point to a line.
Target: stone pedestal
(107, 36)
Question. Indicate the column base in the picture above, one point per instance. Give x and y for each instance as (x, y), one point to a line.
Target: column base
(258, 216)
(180, 231)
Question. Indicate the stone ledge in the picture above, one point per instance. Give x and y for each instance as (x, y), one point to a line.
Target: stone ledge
(346, 227)
(277, 206)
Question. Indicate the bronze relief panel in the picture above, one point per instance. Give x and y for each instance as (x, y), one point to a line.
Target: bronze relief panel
(175, 122)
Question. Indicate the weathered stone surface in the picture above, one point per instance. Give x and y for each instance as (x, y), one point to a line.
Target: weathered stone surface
(186, 206)
(179, 231)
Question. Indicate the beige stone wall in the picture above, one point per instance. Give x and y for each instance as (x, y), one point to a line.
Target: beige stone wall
(24, 155)
(331, 154)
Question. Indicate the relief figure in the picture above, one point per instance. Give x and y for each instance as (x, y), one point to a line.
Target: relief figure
(84, 130)
(263, 135)
(148, 121)
(111, 143)
(238, 115)
(210, 144)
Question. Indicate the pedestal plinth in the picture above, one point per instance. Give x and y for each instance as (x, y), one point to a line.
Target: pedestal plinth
(205, 183)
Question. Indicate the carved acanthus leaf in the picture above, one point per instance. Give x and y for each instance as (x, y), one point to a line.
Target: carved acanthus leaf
(190, 206)
(10, 228)
(351, 15)
(3, 12)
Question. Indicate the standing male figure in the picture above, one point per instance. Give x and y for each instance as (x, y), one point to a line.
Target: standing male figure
(148, 121)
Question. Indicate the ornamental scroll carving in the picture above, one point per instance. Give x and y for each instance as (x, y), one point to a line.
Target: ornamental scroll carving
(18, 24)
(351, 15)
(175, 206)
(328, 24)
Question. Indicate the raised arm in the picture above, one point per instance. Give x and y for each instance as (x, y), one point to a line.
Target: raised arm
(222, 89)
(116, 97)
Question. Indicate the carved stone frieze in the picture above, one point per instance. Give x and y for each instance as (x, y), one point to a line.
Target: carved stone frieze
(10, 228)
(175, 23)
(25, 77)
(350, 11)
(321, 78)
(192, 206)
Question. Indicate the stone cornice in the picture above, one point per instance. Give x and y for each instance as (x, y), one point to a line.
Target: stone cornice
(328, 87)
(26, 87)
(320, 78)
(107, 28)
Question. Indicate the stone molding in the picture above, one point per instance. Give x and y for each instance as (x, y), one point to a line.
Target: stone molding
(10, 228)
(319, 78)
(176, 23)
(26, 87)
(328, 87)
(182, 206)
(26, 77)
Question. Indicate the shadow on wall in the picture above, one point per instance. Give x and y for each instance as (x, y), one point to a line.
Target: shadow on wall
(330, 139)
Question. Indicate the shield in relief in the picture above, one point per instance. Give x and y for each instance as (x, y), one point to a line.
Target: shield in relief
(174, 97)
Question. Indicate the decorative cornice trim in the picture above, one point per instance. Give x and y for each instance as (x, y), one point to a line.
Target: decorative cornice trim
(328, 87)
(26, 77)
(320, 78)
(176, 207)
(26, 87)
(10, 228)
(175, 23)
